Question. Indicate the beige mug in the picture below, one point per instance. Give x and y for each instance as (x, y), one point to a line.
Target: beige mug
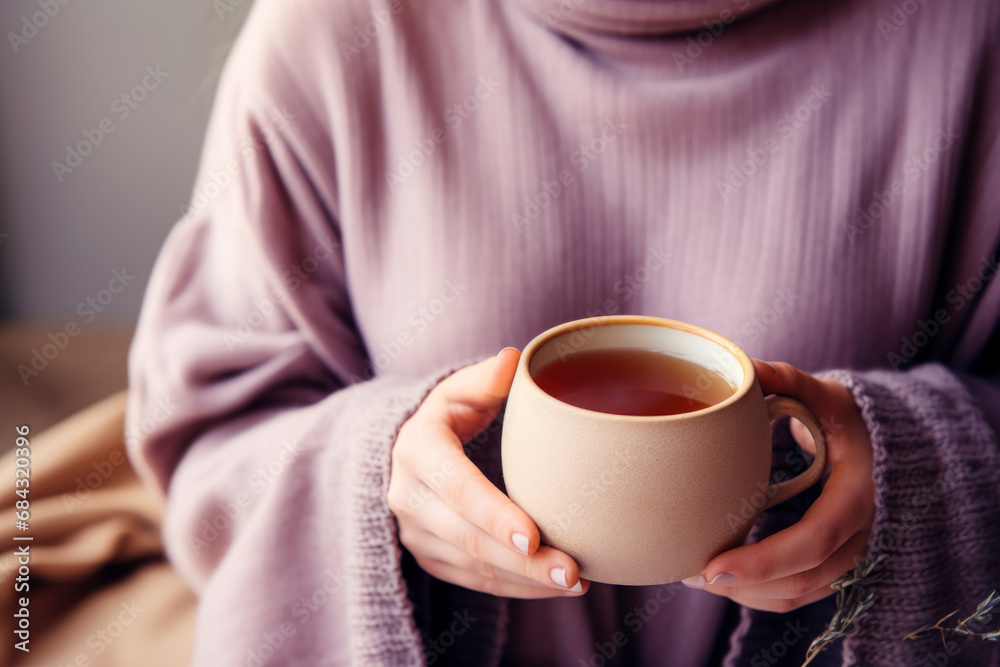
(645, 500)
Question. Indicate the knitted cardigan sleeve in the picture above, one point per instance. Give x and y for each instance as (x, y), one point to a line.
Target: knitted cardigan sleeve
(937, 477)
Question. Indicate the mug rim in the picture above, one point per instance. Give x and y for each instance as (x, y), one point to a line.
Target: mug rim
(749, 374)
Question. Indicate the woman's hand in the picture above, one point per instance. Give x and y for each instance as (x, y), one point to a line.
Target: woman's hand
(797, 565)
(454, 521)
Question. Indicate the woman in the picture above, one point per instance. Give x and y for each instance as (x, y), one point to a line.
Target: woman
(390, 193)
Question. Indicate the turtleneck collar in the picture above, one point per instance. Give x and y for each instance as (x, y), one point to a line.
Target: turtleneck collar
(637, 18)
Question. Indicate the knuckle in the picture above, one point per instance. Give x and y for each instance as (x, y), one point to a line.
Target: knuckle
(784, 606)
(397, 503)
(470, 543)
(459, 492)
(492, 586)
(801, 584)
(787, 374)
(484, 569)
(824, 542)
(761, 569)
(530, 567)
(503, 516)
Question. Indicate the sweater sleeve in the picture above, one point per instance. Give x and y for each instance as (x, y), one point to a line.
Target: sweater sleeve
(937, 477)
(247, 409)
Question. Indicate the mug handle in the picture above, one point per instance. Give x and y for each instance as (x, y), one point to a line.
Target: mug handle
(777, 406)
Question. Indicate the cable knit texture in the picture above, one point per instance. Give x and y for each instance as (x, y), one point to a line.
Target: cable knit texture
(388, 189)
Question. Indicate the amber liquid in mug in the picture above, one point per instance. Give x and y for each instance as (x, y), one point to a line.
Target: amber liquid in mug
(632, 382)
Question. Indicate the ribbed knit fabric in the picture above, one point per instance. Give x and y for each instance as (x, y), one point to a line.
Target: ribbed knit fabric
(389, 190)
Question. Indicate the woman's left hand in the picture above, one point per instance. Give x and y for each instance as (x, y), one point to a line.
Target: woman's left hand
(797, 565)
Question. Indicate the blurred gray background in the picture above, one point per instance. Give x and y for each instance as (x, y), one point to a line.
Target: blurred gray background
(64, 67)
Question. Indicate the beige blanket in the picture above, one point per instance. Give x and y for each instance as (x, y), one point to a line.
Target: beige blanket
(101, 593)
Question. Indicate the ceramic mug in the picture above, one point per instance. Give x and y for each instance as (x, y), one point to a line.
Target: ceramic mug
(645, 500)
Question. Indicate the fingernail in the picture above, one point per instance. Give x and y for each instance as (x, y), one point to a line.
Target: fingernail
(694, 582)
(577, 587)
(500, 353)
(558, 575)
(723, 578)
(521, 542)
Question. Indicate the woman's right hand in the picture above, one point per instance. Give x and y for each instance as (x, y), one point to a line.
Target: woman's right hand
(456, 523)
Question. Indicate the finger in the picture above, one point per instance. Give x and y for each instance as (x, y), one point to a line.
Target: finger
(433, 547)
(842, 509)
(446, 472)
(803, 438)
(802, 584)
(546, 566)
(778, 377)
(831, 402)
(460, 577)
(483, 385)
(782, 606)
(469, 400)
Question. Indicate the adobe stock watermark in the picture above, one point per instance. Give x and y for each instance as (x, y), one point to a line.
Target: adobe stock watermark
(591, 490)
(483, 435)
(85, 487)
(292, 278)
(219, 179)
(635, 620)
(271, 641)
(785, 129)
(566, 8)
(951, 648)
(416, 500)
(779, 648)
(121, 108)
(714, 28)
(915, 167)
(104, 637)
(366, 34)
(88, 310)
(258, 482)
(550, 190)
(136, 435)
(418, 322)
(900, 15)
(958, 297)
(915, 511)
(223, 7)
(437, 647)
(626, 288)
(454, 118)
(759, 324)
(31, 24)
(755, 504)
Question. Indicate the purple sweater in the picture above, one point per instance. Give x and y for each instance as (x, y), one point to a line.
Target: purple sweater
(389, 191)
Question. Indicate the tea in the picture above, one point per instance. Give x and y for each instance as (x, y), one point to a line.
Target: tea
(636, 382)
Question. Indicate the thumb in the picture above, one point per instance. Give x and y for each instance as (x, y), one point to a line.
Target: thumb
(472, 395)
(482, 385)
(781, 378)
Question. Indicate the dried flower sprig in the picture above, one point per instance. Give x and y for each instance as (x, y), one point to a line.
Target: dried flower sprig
(852, 601)
(969, 626)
